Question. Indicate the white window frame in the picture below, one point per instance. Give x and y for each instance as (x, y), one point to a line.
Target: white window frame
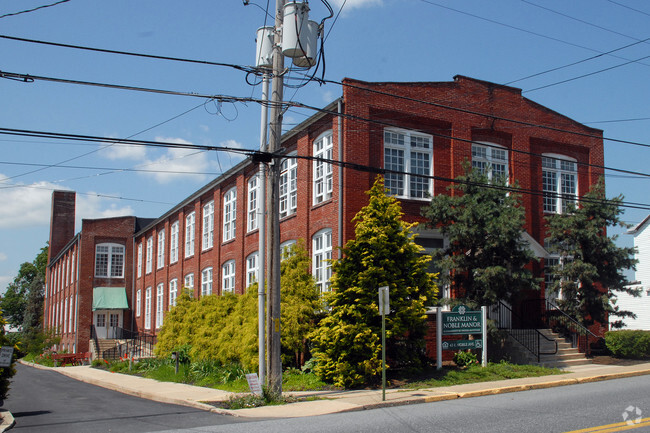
(147, 308)
(228, 277)
(321, 259)
(230, 214)
(559, 182)
(173, 292)
(173, 242)
(188, 282)
(285, 247)
(253, 201)
(206, 281)
(406, 153)
(190, 221)
(139, 259)
(323, 173)
(491, 160)
(252, 268)
(160, 262)
(138, 303)
(149, 256)
(208, 226)
(288, 186)
(160, 304)
(112, 265)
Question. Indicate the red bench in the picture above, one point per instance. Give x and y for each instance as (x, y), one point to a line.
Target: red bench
(62, 359)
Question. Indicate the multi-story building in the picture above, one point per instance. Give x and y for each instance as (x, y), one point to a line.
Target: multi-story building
(421, 132)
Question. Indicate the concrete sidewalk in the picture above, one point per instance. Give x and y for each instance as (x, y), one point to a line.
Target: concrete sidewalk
(337, 401)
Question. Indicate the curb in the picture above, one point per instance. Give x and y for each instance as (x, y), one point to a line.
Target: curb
(8, 421)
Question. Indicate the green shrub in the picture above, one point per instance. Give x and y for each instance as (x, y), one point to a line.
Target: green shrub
(632, 344)
(463, 359)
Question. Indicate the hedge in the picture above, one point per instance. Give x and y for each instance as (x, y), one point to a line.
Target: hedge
(633, 344)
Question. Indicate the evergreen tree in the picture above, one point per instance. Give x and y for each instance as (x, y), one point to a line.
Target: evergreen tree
(487, 258)
(590, 273)
(300, 301)
(347, 344)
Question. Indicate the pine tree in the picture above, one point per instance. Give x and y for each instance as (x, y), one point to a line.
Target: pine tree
(590, 273)
(347, 344)
(487, 258)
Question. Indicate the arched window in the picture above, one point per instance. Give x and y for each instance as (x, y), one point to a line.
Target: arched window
(322, 255)
(323, 183)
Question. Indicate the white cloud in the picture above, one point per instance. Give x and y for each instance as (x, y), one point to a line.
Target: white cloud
(182, 162)
(356, 4)
(30, 206)
(3, 256)
(4, 282)
(123, 151)
(328, 96)
(25, 205)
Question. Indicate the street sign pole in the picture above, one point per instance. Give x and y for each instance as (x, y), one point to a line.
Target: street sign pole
(384, 308)
(484, 335)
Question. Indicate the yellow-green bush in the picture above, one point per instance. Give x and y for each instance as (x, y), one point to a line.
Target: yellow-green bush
(628, 343)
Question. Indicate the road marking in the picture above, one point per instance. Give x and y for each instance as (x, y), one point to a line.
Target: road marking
(619, 426)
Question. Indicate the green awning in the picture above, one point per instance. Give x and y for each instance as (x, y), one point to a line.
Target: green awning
(110, 298)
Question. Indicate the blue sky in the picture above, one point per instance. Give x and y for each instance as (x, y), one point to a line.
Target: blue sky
(375, 40)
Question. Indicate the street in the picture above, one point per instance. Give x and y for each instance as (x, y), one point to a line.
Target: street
(46, 401)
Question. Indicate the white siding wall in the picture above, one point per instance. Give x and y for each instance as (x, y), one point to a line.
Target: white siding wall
(640, 306)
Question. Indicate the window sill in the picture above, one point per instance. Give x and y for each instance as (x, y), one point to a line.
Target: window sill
(287, 217)
(323, 203)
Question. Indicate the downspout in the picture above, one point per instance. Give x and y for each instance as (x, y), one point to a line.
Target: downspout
(340, 158)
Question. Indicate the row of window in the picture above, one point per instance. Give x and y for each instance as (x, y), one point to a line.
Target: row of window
(63, 315)
(322, 256)
(408, 160)
(62, 275)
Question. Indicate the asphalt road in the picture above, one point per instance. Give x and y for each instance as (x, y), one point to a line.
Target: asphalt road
(46, 401)
(559, 409)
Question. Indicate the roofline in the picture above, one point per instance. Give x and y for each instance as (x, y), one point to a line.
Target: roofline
(239, 167)
(638, 227)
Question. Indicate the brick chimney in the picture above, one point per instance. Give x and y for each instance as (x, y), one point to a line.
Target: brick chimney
(61, 221)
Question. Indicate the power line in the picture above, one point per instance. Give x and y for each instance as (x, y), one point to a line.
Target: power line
(34, 9)
(267, 156)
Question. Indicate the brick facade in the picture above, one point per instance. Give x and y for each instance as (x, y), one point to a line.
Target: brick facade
(454, 114)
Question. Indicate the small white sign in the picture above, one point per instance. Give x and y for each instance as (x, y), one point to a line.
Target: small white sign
(254, 383)
(6, 355)
(384, 301)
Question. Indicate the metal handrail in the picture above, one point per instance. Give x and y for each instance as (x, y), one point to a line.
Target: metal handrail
(529, 338)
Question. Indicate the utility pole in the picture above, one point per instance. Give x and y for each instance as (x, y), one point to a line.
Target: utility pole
(273, 205)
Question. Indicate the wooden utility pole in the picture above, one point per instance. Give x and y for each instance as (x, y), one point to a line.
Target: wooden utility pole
(274, 359)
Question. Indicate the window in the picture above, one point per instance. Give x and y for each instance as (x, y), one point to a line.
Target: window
(410, 156)
(490, 160)
(72, 314)
(147, 309)
(74, 276)
(138, 303)
(101, 320)
(208, 226)
(160, 290)
(109, 261)
(189, 282)
(559, 183)
(322, 251)
(286, 248)
(189, 235)
(253, 201)
(252, 268)
(228, 277)
(288, 187)
(173, 243)
(161, 249)
(139, 259)
(323, 182)
(549, 277)
(113, 320)
(229, 214)
(149, 258)
(206, 282)
(173, 292)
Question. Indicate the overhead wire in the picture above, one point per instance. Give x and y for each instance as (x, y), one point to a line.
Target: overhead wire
(34, 9)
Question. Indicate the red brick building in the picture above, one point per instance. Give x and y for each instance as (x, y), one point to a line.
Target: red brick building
(209, 241)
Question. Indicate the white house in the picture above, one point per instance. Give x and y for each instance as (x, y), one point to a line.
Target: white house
(639, 306)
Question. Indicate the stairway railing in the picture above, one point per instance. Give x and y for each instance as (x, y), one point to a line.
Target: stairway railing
(554, 318)
(529, 338)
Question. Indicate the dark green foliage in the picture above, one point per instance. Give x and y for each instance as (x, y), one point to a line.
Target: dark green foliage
(347, 344)
(632, 344)
(592, 265)
(6, 373)
(487, 258)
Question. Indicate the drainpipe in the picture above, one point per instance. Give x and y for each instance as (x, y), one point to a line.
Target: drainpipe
(340, 144)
